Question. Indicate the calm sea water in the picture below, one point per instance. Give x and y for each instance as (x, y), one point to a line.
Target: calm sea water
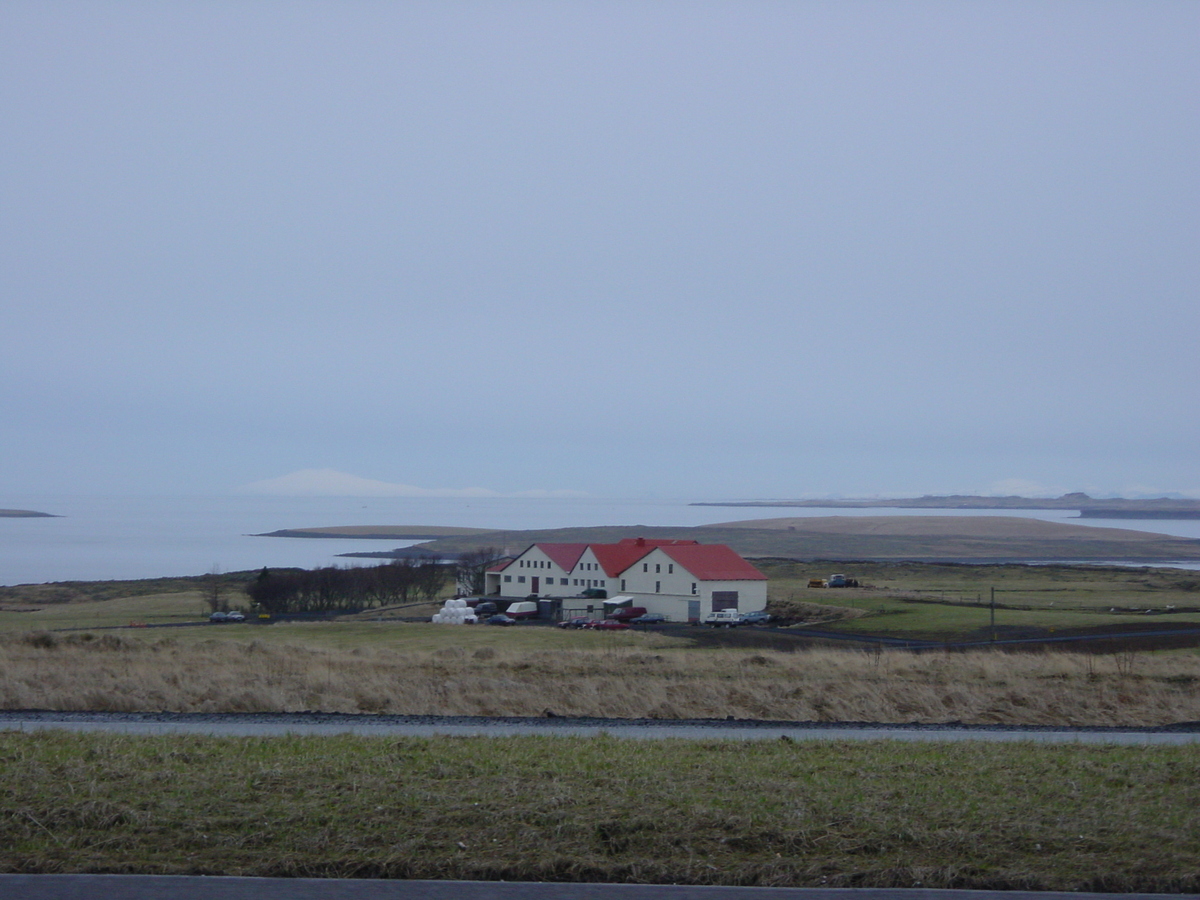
(148, 537)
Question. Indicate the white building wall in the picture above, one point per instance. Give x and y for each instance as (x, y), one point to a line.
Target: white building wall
(657, 573)
(553, 581)
(656, 582)
(517, 580)
(752, 595)
(588, 573)
(662, 585)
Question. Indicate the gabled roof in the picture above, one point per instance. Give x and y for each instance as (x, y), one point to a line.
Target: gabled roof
(707, 562)
(713, 562)
(563, 555)
(616, 558)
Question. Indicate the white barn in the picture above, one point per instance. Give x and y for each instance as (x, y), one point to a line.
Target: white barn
(682, 580)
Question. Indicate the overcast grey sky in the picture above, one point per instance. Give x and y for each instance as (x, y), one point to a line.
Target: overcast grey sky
(624, 248)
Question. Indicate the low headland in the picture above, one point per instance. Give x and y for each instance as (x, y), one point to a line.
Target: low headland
(929, 538)
(377, 532)
(1089, 507)
(25, 514)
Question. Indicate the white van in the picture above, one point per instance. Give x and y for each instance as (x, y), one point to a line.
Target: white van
(724, 618)
(522, 609)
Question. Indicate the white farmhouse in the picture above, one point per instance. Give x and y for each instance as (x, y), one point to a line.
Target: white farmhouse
(682, 580)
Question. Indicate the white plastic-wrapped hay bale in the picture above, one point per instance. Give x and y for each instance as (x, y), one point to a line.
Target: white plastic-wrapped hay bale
(454, 612)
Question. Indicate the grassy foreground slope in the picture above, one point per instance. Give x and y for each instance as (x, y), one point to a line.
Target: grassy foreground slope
(886, 814)
(447, 670)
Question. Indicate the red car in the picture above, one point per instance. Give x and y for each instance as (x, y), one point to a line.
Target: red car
(610, 625)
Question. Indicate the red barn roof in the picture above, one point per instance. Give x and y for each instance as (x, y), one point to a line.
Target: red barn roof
(616, 558)
(564, 555)
(713, 562)
(707, 562)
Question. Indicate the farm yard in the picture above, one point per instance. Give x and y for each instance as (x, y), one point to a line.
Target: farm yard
(72, 648)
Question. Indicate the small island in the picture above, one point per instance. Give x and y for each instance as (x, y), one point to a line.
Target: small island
(377, 532)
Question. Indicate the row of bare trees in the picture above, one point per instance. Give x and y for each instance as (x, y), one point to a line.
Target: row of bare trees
(470, 570)
(333, 589)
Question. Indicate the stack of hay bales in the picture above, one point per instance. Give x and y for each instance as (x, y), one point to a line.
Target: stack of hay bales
(455, 612)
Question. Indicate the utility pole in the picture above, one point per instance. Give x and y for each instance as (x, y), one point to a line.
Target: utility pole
(993, 615)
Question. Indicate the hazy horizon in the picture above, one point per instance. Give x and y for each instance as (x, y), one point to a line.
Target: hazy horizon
(693, 250)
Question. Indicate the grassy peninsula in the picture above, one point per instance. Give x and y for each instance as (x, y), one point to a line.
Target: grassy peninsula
(943, 538)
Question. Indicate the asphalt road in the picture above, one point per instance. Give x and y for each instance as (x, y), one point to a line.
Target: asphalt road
(269, 724)
(182, 887)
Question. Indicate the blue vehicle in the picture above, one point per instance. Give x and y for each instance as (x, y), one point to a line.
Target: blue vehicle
(758, 617)
(647, 619)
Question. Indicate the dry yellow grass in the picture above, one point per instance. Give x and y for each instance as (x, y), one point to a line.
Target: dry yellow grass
(219, 675)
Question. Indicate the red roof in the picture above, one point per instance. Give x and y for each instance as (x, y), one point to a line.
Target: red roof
(563, 555)
(501, 566)
(713, 562)
(616, 558)
(707, 562)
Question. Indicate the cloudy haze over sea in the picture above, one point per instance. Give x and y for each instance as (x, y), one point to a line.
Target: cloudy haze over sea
(603, 249)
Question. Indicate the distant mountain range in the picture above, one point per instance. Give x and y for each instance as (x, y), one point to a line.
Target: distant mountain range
(1089, 507)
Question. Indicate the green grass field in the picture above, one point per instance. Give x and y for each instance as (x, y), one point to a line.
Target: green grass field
(915, 599)
(886, 814)
(923, 598)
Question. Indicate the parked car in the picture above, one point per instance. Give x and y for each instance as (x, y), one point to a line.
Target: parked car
(610, 625)
(485, 608)
(522, 609)
(758, 617)
(500, 619)
(648, 619)
(627, 613)
(576, 622)
(218, 617)
(723, 618)
(235, 616)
